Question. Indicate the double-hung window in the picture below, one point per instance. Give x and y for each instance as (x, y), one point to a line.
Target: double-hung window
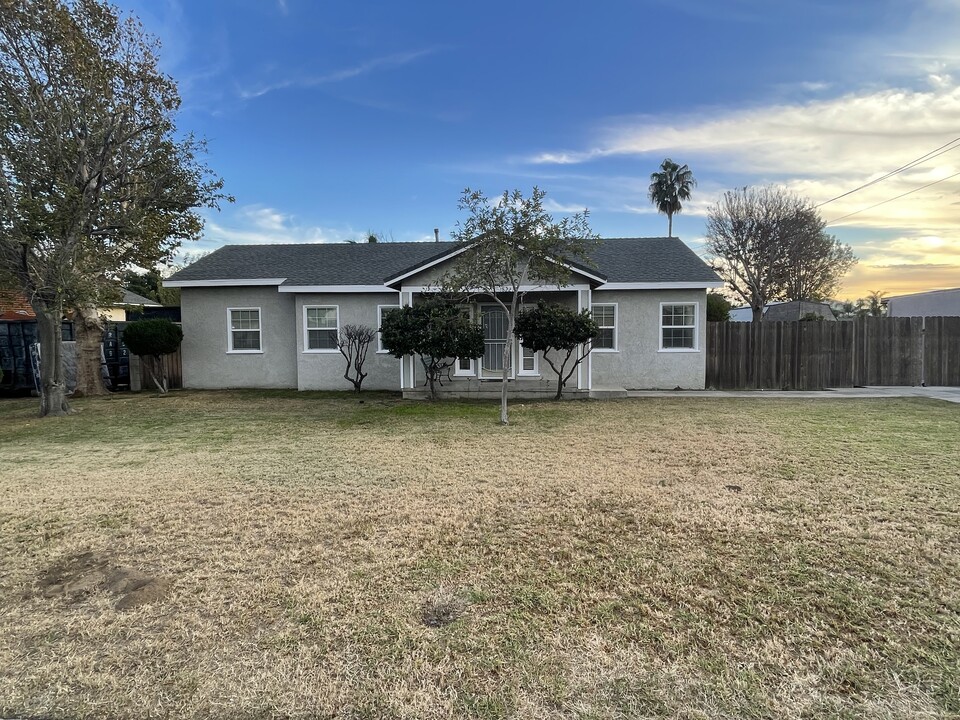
(321, 326)
(243, 330)
(606, 318)
(529, 363)
(678, 326)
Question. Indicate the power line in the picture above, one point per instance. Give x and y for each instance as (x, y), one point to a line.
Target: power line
(909, 192)
(936, 152)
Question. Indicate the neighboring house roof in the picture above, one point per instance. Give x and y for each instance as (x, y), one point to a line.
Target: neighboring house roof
(619, 260)
(14, 306)
(785, 311)
(931, 303)
(131, 298)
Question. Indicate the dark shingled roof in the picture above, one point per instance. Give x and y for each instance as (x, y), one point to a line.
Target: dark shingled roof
(618, 259)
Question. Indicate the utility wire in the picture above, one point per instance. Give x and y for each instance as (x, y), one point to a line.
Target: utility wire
(913, 163)
(909, 192)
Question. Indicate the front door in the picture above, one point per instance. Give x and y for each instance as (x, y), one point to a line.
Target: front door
(494, 322)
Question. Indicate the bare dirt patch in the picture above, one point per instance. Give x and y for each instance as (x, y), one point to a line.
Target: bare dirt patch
(77, 576)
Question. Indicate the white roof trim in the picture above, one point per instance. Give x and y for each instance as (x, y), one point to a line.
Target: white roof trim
(702, 285)
(336, 289)
(222, 283)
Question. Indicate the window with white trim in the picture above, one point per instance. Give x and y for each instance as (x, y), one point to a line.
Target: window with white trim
(529, 363)
(606, 318)
(465, 367)
(243, 330)
(321, 327)
(678, 326)
(381, 309)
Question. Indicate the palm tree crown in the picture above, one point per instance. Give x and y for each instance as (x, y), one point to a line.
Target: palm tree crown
(668, 187)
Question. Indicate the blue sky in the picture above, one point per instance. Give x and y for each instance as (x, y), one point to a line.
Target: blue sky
(331, 119)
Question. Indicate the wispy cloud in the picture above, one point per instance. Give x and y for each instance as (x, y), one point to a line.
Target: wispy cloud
(336, 76)
(261, 225)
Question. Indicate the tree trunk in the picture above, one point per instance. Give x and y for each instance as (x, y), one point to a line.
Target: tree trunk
(507, 356)
(88, 326)
(53, 383)
(669, 225)
(758, 314)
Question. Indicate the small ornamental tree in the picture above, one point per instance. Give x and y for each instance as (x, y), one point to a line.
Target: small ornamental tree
(437, 330)
(153, 339)
(509, 245)
(353, 343)
(553, 328)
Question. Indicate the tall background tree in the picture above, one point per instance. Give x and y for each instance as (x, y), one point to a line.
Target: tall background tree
(770, 244)
(95, 177)
(512, 244)
(670, 188)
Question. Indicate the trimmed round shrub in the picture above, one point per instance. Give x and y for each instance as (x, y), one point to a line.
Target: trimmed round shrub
(152, 337)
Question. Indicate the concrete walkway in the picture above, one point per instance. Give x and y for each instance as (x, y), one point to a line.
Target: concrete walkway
(950, 394)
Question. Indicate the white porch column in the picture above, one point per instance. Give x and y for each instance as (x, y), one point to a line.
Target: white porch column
(407, 364)
(585, 369)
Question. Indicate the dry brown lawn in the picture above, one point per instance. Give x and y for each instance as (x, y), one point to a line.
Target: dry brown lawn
(273, 555)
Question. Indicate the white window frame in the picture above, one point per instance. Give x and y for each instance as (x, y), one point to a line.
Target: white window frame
(230, 331)
(536, 362)
(696, 328)
(380, 309)
(306, 330)
(470, 371)
(616, 327)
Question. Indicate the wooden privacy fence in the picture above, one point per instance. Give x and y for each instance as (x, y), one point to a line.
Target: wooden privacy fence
(810, 355)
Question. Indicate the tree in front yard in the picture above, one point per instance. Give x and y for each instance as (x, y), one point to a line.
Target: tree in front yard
(436, 330)
(511, 245)
(151, 340)
(95, 175)
(353, 343)
(552, 328)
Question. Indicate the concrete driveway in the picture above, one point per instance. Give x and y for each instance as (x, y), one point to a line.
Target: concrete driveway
(950, 394)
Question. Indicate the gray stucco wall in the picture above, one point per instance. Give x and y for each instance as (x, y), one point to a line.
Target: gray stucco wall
(206, 361)
(324, 370)
(929, 304)
(638, 362)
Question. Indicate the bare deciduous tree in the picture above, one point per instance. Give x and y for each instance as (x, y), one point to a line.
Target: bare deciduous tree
(353, 343)
(769, 244)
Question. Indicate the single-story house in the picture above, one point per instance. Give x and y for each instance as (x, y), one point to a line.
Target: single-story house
(933, 303)
(785, 311)
(268, 316)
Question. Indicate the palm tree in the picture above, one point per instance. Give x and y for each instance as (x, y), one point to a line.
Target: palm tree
(668, 187)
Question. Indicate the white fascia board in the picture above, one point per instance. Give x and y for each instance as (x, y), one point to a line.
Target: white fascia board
(484, 291)
(660, 285)
(221, 283)
(336, 289)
